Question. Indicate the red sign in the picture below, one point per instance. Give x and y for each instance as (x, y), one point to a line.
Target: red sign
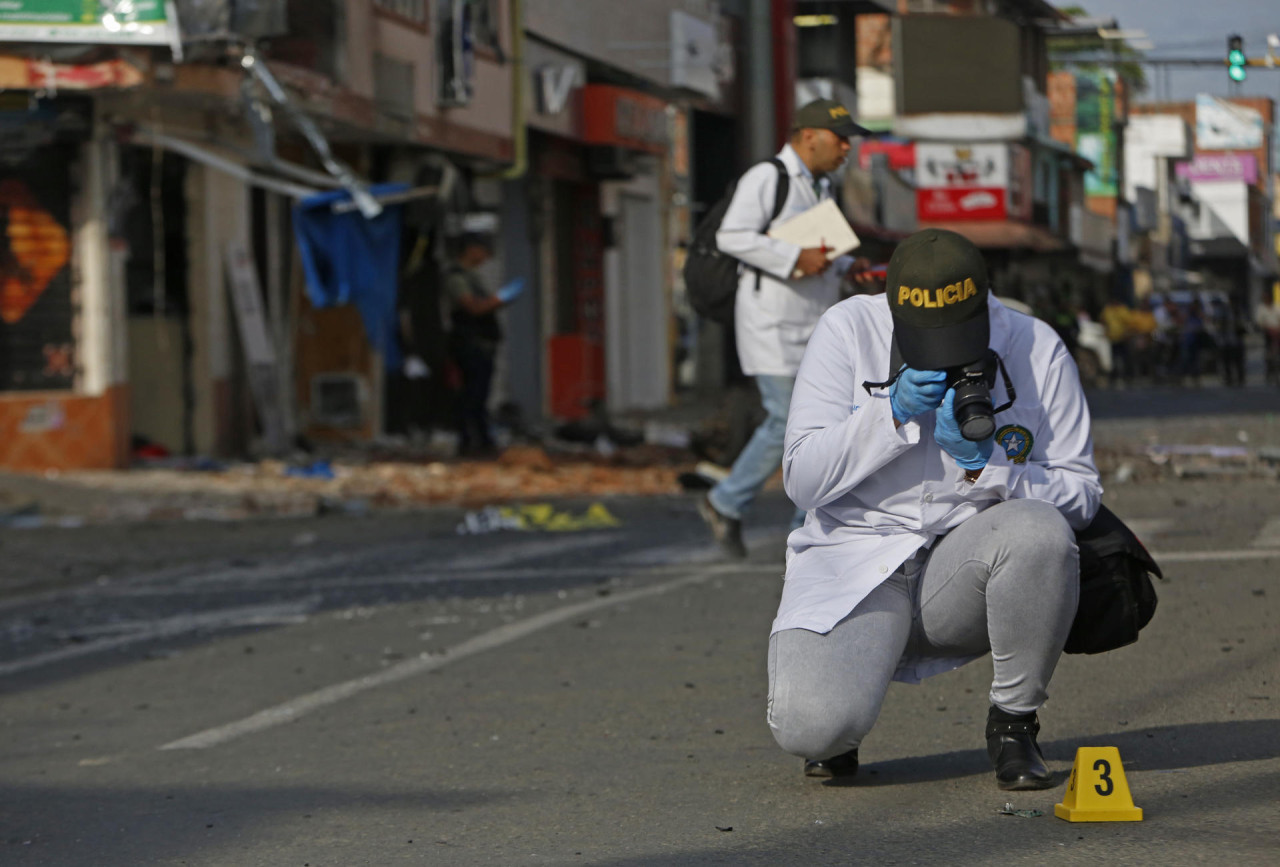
(970, 203)
(902, 154)
(625, 118)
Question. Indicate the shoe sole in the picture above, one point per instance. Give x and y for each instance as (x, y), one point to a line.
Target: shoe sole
(1025, 785)
(713, 519)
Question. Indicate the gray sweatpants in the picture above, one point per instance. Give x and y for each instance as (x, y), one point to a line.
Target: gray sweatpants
(1006, 580)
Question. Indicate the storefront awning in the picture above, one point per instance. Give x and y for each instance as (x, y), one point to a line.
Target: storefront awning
(1003, 235)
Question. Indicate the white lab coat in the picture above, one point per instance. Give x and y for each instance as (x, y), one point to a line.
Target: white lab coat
(876, 495)
(773, 324)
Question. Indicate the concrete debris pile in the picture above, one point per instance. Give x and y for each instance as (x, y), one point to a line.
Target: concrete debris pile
(277, 488)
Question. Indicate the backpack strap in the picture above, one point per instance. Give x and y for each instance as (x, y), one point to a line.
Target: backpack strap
(780, 193)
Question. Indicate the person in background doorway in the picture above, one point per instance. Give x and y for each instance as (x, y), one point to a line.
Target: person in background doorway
(474, 338)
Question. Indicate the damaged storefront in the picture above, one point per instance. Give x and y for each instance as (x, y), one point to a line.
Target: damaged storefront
(221, 228)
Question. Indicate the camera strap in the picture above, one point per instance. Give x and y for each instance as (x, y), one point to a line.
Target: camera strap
(895, 368)
(1009, 390)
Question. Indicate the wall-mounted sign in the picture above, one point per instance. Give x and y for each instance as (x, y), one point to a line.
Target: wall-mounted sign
(1222, 125)
(140, 22)
(553, 85)
(1220, 167)
(1095, 130)
(624, 118)
(962, 181)
(697, 57)
(901, 154)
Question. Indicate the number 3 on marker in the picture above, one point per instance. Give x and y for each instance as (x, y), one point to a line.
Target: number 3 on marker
(1105, 776)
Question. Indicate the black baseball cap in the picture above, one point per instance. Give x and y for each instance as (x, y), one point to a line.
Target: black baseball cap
(827, 114)
(936, 284)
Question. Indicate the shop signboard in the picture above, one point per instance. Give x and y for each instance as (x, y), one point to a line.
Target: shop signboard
(962, 181)
(624, 118)
(1222, 125)
(138, 22)
(901, 154)
(1220, 167)
(1095, 129)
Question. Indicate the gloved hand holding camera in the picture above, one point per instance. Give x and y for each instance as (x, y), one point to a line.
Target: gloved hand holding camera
(916, 392)
(968, 455)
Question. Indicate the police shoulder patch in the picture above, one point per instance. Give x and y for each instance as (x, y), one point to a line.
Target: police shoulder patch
(1016, 441)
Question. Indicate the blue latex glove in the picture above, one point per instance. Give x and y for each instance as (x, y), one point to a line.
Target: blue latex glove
(969, 455)
(510, 291)
(915, 392)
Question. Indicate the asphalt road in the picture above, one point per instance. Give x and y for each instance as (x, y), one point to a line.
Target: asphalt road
(383, 690)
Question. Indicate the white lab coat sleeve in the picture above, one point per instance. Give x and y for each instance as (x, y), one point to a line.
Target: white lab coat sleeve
(838, 434)
(741, 234)
(1064, 472)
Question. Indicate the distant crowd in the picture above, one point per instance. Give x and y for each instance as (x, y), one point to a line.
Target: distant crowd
(1171, 340)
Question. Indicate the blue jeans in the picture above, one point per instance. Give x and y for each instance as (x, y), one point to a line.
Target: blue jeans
(762, 455)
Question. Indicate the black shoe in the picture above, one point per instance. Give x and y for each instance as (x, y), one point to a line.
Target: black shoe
(1012, 747)
(728, 531)
(843, 765)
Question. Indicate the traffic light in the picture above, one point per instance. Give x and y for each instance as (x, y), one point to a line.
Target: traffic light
(1236, 60)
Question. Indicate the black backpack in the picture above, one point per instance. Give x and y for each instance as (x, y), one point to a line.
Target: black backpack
(1116, 594)
(710, 276)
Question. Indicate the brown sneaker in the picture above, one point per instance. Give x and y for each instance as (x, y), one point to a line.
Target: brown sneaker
(727, 531)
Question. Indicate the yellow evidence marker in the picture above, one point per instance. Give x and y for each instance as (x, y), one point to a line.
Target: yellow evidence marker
(1098, 791)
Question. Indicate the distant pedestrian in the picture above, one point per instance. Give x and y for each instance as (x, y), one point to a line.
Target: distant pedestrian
(1228, 335)
(1267, 318)
(1115, 319)
(1142, 337)
(1192, 337)
(474, 338)
(782, 291)
(1169, 319)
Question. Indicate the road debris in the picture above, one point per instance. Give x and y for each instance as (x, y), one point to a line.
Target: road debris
(1008, 810)
(536, 517)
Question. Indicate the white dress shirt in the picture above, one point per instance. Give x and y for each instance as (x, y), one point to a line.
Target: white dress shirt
(876, 495)
(773, 324)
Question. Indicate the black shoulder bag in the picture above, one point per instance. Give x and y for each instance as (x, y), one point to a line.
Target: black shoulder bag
(1117, 598)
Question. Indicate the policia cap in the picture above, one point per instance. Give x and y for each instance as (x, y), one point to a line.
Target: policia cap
(827, 114)
(936, 285)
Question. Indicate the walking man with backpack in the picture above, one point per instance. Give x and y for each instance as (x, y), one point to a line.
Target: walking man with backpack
(782, 291)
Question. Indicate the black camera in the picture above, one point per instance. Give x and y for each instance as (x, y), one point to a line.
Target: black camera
(973, 410)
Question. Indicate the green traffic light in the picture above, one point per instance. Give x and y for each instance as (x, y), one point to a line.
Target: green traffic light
(1236, 57)
(1237, 73)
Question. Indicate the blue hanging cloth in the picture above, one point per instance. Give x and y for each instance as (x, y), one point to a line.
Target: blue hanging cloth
(351, 260)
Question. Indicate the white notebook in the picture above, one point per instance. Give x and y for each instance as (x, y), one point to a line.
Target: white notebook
(822, 225)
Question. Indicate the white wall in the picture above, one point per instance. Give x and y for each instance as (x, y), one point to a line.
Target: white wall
(99, 277)
(1149, 136)
(1224, 210)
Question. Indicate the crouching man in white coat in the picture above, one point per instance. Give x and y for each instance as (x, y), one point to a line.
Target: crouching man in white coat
(937, 531)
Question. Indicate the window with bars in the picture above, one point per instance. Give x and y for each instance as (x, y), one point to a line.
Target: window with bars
(411, 10)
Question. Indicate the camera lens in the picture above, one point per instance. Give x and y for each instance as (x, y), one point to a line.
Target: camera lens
(973, 410)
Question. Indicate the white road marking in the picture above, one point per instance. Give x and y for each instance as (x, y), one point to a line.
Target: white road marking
(1144, 527)
(1163, 557)
(1269, 535)
(304, 704)
(254, 615)
(487, 559)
